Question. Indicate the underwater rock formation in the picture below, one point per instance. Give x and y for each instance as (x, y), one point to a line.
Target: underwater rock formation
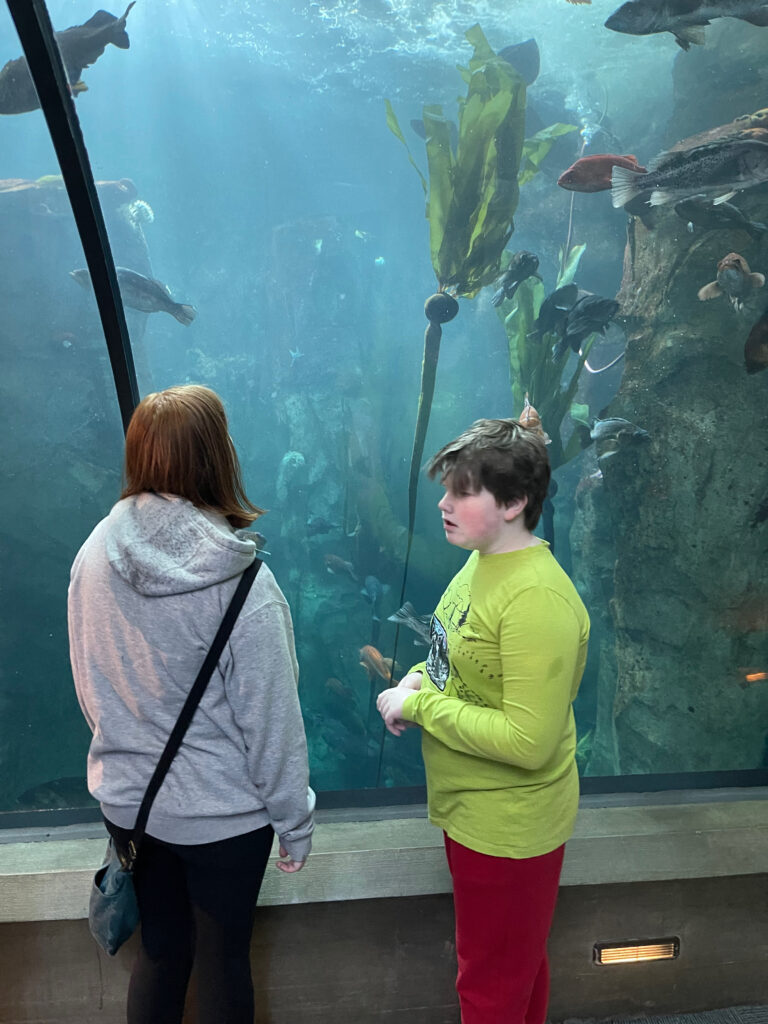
(679, 513)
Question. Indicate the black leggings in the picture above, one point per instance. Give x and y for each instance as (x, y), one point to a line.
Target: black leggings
(197, 904)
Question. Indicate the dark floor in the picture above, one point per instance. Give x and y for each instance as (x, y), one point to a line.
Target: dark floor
(730, 1015)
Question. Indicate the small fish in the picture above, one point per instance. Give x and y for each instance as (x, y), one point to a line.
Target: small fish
(751, 677)
(704, 213)
(319, 524)
(554, 309)
(685, 19)
(589, 315)
(375, 665)
(408, 616)
(143, 293)
(337, 566)
(756, 346)
(523, 264)
(718, 169)
(593, 173)
(530, 419)
(615, 427)
(524, 58)
(338, 689)
(734, 279)
(373, 591)
(295, 354)
(80, 46)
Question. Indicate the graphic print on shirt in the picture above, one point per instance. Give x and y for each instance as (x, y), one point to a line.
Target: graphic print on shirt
(438, 665)
(438, 660)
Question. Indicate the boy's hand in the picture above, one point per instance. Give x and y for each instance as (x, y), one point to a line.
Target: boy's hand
(411, 682)
(390, 705)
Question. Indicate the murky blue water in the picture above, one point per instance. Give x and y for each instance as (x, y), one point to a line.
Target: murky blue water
(282, 207)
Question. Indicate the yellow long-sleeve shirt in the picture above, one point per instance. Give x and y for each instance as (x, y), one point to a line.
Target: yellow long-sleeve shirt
(508, 647)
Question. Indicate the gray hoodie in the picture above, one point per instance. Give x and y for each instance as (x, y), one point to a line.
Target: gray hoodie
(147, 593)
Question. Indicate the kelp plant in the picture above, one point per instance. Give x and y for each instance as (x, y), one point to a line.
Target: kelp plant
(536, 372)
(471, 197)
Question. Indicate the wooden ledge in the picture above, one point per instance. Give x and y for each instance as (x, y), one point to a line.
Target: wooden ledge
(44, 879)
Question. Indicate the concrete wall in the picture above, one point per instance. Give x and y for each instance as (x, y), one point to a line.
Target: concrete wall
(393, 960)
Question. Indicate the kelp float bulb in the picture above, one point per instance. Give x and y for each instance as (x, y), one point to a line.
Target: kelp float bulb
(440, 308)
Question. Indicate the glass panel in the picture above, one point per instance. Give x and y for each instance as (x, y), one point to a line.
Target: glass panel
(247, 164)
(61, 461)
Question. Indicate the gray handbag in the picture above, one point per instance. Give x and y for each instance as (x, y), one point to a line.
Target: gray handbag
(113, 912)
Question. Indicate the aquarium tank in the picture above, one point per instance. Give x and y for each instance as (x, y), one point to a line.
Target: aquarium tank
(366, 225)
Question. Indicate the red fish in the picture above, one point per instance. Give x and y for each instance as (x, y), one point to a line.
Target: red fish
(593, 173)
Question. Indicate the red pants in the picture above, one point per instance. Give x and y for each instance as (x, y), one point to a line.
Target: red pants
(504, 910)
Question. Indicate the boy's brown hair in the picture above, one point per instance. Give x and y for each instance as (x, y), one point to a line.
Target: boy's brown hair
(503, 456)
(178, 443)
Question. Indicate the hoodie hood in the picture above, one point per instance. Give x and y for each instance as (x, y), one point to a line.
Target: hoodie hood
(161, 544)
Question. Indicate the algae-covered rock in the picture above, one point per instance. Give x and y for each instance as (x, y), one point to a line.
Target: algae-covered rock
(689, 588)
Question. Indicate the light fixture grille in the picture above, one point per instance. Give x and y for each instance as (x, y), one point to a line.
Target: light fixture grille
(636, 951)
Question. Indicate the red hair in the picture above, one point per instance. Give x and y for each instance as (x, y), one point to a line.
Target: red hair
(178, 443)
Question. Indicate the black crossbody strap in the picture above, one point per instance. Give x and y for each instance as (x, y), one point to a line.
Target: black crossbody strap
(190, 705)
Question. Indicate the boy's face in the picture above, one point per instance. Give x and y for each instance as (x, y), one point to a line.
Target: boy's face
(474, 520)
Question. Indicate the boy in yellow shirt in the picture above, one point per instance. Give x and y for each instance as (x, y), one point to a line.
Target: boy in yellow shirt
(494, 701)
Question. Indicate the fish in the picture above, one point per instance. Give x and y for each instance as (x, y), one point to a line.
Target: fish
(719, 169)
(589, 315)
(80, 46)
(408, 616)
(685, 19)
(341, 704)
(530, 419)
(143, 293)
(756, 346)
(319, 524)
(524, 58)
(336, 566)
(615, 427)
(375, 665)
(751, 677)
(702, 212)
(593, 173)
(523, 264)
(373, 591)
(554, 309)
(734, 279)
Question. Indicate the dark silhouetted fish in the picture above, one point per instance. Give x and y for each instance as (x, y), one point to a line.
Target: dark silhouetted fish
(704, 213)
(685, 19)
(554, 309)
(408, 616)
(80, 46)
(612, 428)
(591, 314)
(523, 264)
(373, 591)
(524, 58)
(143, 293)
